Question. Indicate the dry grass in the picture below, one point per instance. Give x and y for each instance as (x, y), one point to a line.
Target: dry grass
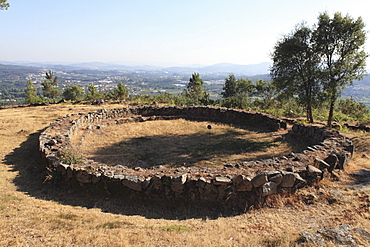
(33, 213)
(182, 142)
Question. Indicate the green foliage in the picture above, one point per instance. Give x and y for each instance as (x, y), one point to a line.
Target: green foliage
(119, 93)
(70, 157)
(241, 101)
(230, 88)
(237, 92)
(114, 225)
(351, 111)
(196, 93)
(339, 41)
(49, 86)
(93, 93)
(10, 198)
(234, 87)
(295, 66)
(73, 93)
(4, 4)
(30, 94)
(175, 228)
(326, 59)
(68, 216)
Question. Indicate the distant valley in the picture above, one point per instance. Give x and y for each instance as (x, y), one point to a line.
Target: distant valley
(139, 78)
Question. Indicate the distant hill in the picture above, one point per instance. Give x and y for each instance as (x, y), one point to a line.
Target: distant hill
(252, 69)
(224, 68)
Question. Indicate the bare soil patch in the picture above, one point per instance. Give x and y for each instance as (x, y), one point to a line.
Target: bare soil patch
(184, 143)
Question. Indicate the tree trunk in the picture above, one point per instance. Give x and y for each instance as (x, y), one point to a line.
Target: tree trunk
(309, 114)
(309, 109)
(331, 113)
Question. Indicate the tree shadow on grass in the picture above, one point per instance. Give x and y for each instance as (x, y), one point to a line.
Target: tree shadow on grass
(32, 174)
(177, 150)
(31, 179)
(361, 179)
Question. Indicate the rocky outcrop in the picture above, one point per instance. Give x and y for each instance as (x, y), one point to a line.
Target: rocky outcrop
(237, 186)
(342, 236)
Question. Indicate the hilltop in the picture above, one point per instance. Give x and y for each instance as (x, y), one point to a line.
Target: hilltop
(35, 212)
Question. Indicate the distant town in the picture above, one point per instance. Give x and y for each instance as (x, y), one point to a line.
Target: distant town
(139, 80)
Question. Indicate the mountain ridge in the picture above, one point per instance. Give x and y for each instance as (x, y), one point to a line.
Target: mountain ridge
(230, 68)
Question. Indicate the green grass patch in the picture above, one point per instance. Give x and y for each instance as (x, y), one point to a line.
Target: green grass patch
(114, 225)
(67, 216)
(175, 228)
(10, 198)
(273, 242)
(70, 157)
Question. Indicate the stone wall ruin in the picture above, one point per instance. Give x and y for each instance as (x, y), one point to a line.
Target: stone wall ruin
(237, 186)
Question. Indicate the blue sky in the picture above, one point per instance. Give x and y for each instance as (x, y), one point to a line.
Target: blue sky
(163, 31)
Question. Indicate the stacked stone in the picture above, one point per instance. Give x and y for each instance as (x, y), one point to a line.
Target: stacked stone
(241, 185)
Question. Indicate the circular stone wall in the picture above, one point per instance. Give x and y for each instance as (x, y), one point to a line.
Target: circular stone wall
(236, 186)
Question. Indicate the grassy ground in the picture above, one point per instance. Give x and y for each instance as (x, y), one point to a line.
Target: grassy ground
(35, 213)
(182, 142)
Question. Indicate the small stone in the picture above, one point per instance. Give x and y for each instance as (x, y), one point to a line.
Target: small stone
(288, 180)
(343, 160)
(321, 164)
(259, 180)
(268, 188)
(83, 177)
(278, 178)
(221, 181)
(178, 182)
(313, 170)
(332, 161)
(133, 182)
(242, 183)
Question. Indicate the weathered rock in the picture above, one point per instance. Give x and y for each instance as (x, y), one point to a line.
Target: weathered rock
(221, 180)
(210, 192)
(299, 181)
(363, 234)
(278, 178)
(268, 188)
(259, 180)
(96, 178)
(83, 177)
(313, 171)
(349, 148)
(133, 182)
(118, 177)
(62, 168)
(343, 159)
(288, 180)
(314, 238)
(341, 235)
(242, 183)
(178, 182)
(332, 161)
(321, 164)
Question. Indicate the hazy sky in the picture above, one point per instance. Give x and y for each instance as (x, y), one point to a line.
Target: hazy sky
(169, 31)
